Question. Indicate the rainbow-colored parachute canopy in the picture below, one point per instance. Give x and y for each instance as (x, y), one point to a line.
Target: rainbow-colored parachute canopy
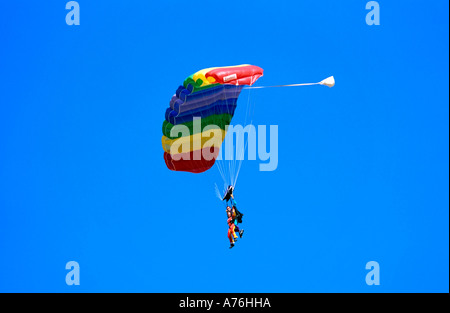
(195, 123)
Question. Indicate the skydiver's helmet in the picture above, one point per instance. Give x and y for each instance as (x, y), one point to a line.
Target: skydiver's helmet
(228, 193)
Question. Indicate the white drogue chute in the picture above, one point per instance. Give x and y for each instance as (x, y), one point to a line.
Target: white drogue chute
(328, 82)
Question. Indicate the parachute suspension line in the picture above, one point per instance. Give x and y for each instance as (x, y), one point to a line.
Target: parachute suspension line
(237, 163)
(224, 168)
(229, 169)
(249, 112)
(240, 153)
(228, 163)
(236, 160)
(231, 162)
(218, 194)
(329, 82)
(241, 158)
(221, 171)
(223, 164)
(277, 86)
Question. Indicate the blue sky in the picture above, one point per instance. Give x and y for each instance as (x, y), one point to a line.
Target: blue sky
(362, 168)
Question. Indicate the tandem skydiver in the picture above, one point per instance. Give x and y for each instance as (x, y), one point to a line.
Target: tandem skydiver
(234, 217)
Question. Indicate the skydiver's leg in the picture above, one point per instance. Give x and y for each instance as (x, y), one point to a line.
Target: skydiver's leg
(234, 231)
(230, 236)
(237, 230)
(231, 233)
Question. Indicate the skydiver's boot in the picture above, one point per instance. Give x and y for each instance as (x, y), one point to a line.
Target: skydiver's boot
(241, 232)
(231, 245)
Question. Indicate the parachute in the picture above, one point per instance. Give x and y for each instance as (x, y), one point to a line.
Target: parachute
(196, 121)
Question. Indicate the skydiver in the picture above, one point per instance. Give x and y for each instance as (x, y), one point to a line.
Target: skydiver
(237, 218)
(235, 214)
(231, 228)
